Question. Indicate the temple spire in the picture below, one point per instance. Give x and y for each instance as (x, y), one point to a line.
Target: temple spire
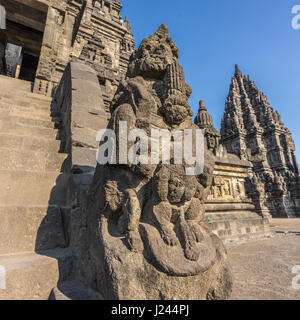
(251, 123)
(237, 70)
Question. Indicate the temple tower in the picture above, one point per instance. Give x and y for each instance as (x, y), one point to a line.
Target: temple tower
(254, 131)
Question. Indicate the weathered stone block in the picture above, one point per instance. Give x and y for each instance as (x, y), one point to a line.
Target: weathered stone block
(27, 229)
(31, 276)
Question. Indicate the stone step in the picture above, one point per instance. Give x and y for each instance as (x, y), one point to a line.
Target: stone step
(20, 89)
(216, 207)
(32, 276)
(73, 290)
(30, 229)
(34, 144)
(23, 93)
(25, 112)
(31, 161)
(25, 120)
(24, 130)
(26, 103)
(20, 94)
(37, 96)
(30, 188)
(15, 84)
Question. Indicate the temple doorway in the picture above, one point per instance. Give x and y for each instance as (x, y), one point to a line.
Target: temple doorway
(25, 24)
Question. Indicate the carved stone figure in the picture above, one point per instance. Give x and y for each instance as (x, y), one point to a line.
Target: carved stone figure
(148, 236)
(226, 188)
(204, 121)
(238, 189)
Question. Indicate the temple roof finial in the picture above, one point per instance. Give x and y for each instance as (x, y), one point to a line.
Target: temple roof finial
(202, 105)
(237, 70)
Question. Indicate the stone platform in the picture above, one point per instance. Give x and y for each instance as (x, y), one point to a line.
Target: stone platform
(232, 214)
(232, 226)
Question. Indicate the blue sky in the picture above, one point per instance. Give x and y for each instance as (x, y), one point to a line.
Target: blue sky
(213, 36)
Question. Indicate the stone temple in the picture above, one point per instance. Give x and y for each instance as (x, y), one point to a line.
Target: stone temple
(254, 131)
(74, 229)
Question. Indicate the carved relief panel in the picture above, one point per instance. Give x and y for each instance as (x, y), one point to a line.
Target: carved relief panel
(239, 188)
(221, 188)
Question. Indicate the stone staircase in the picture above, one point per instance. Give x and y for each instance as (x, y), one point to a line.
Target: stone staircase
(33, 191)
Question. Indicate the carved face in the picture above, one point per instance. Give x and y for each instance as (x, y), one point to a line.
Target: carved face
(176, 189)
(153, 56)
(211, 142)
(154, 59)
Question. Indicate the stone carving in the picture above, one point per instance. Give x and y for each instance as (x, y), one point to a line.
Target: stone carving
(257, 191)
(151, 217)
(222, 187)
(238, 189)
(252, 130)
(226, 188)
(89, 31)
(204, 121)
